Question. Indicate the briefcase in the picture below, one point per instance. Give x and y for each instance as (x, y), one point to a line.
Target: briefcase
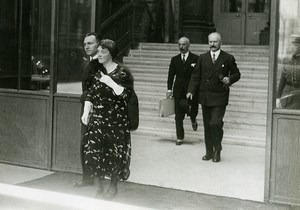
(166, 107)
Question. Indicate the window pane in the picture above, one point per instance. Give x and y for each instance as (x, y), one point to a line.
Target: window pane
(74, 23)
(258, 6)
(108, 7)
(35, 45)
(228, 6)
(288, 92)
(29, 69)
(8, 43)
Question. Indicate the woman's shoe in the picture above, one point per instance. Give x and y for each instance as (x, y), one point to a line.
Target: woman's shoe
(99, 193)
(110, 194)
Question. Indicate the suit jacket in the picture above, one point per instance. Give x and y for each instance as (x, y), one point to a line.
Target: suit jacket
(182, 72)
(89, 69)
(206, 78)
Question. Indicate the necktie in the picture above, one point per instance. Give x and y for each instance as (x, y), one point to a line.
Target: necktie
(214, 58)
(183, 58)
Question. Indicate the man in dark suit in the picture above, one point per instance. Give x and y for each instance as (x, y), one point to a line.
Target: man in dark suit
(182, 66)
(90, 43)
(215, 71)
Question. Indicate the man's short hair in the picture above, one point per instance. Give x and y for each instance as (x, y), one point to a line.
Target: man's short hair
(97, 36)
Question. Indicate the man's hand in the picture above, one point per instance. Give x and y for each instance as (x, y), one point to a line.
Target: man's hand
(169, 94)
(278, 103)
(189, 96)
(226, 80)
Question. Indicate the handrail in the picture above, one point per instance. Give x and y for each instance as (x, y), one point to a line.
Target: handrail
(115, 16)
(110, 28)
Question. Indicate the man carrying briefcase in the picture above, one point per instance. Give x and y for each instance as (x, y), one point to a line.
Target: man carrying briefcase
(182, 66)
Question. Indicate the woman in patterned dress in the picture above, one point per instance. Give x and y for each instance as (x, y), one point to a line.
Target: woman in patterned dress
(107, 146)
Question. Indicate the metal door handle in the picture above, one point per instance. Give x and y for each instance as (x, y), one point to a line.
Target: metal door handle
(237, 14)
(249, 15)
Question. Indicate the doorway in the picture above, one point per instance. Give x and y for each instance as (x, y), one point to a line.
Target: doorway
(242, 22)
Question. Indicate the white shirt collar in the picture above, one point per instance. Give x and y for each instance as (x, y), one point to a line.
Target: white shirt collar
(217, 53)
(186, 55)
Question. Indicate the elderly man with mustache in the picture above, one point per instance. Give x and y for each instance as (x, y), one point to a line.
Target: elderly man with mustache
(214, 73)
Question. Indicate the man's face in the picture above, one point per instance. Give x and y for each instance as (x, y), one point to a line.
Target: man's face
(214, 42)
(183, 46)
(90, 45)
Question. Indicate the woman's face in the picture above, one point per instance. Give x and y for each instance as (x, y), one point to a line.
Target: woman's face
(104, 55)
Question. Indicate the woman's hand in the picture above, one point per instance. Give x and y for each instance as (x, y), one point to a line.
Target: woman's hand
(87, 110)
(85, 118)
(106, 80)
(109, 82)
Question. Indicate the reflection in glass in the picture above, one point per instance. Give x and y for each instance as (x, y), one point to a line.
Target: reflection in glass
(29, 69)
(109, 7)
(229, 6)
(258, 6)
(40, 44)
(288, 92)
(8, 43)
(74, 23)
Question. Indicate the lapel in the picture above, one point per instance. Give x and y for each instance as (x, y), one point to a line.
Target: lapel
(220, 59)
(188, 59)
(214, 67)
(179, 60)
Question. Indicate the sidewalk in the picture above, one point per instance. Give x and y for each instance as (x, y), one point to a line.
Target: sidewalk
(38, 189)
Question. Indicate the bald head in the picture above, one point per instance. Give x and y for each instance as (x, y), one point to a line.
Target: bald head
(184, 44)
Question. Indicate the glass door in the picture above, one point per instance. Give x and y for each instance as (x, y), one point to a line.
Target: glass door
(242, 22)
(229, 19)
(257, 22)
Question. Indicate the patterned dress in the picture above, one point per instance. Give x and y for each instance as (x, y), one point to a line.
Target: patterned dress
(107, 146)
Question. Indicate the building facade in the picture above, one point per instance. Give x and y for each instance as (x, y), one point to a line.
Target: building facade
(41, 56)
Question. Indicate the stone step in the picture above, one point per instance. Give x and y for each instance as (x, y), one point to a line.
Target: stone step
(245, 118)
(246, 83)
(162, 77)
(234, 95)
(235, 106)
(242, 138)
(157, 97)
(157, 87)
(158, 67)
(169, 54)
(164, 74)
(166, 62)
(204, 47)
(256, 119)
(163, 70)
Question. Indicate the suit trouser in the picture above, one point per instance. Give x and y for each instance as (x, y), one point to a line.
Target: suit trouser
(86, 176)
(213, 127)
(180, 112)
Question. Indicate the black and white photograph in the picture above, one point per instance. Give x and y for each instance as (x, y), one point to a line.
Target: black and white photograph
(149, 104)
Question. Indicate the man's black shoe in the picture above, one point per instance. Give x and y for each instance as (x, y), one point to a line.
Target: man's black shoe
(207, 157)
(179, 142)
(217, 156)
(194, 125)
